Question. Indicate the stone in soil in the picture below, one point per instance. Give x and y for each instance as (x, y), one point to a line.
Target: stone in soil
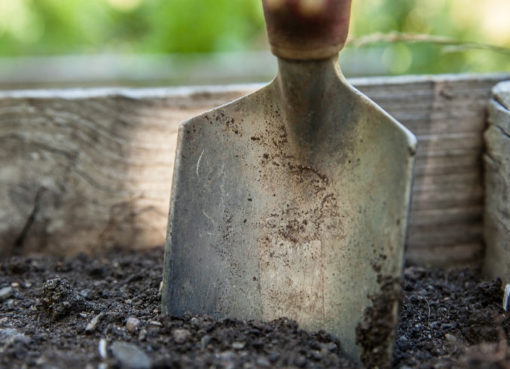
(8, 336)
(132, 324)
(181, 335)
(91, 327)
(5, 293)
(130, 356)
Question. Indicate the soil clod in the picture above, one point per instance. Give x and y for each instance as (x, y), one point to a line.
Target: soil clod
(58, 298)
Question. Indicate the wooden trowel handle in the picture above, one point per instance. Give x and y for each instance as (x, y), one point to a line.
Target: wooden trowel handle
(307, 29)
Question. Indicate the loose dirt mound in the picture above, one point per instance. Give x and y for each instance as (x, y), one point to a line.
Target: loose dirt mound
(104, 312)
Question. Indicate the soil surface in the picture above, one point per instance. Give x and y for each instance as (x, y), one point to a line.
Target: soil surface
(104, 312)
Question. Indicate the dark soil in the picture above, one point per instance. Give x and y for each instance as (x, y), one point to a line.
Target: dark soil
(104, 312)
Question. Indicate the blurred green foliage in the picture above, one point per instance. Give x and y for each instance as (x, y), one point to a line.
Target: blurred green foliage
(51, 27)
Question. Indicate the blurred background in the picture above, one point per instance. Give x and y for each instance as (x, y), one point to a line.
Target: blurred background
(62, 43)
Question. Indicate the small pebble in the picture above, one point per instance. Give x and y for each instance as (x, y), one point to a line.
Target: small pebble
(180, 335)
(227, 356)
(86, 293)
(506, 297)
(331, 346)
(316, 355)
(274, 356)
(132, 324)
(10, 335)
(206, 340)
(15, 285)
(5, 293)
(238, 345)
(263, 362)
(300, 361)
(403, 343)
(450, 338)
(101, 349)
(130, 356)
(142, 336)
(155, 323)
(91, 327)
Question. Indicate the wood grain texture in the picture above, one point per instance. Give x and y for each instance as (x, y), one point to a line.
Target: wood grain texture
(85, 171)
(497, 185)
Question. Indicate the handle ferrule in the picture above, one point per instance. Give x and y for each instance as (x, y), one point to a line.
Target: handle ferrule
(307, 29)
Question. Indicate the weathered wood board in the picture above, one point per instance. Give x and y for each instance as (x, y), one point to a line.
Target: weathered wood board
(497, 185)
(89, 170)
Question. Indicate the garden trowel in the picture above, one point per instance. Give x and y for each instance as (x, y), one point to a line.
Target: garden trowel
(292, 201)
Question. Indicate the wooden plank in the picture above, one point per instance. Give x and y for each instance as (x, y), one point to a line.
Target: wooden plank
(453, 215)
(438, 165)
(445, 235)
(452, 256)
(445, 197)
(89, 170)
(497, 183)
(434, 182)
